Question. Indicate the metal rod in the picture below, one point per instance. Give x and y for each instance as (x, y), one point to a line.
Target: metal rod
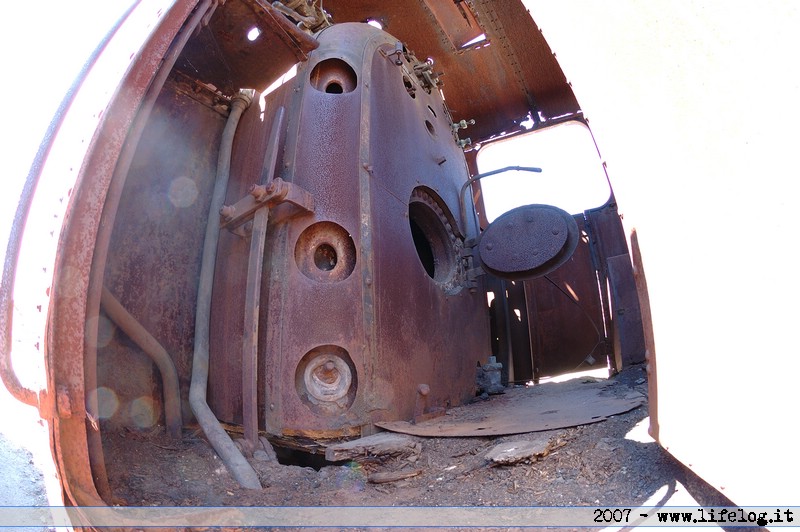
(461, 203)
(253, 294)
(233, 459)
(169, 375)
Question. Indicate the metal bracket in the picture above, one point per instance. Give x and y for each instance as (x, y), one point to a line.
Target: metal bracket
(422, 412)
(471, 270)
(276, 192)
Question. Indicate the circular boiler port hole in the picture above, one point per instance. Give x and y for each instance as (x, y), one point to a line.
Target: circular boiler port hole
(325, 252)
(325, 257)
(433, 237)
(325, 379)
(333, 76)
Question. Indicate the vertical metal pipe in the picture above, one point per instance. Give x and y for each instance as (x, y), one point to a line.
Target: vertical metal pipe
(238, 466)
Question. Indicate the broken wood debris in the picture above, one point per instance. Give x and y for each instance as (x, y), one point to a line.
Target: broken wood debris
(512, 452)
(392, 476)
(383, 444)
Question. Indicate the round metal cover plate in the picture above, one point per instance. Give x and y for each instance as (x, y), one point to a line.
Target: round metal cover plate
(528, 242)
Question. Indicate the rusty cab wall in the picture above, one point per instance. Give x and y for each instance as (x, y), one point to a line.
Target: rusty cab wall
(341, 289)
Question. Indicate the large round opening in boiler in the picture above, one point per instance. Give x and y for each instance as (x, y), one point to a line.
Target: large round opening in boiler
(333, 76)
(432, 233)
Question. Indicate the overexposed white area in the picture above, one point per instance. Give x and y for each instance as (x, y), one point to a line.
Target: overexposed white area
(572, 176)
(693, 105)
(44, 47)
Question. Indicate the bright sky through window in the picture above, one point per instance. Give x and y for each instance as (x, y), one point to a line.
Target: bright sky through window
(572, 175)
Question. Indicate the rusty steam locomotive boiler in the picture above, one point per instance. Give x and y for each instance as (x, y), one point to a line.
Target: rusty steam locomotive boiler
(304, 261)
(340, 277)
(362, 281)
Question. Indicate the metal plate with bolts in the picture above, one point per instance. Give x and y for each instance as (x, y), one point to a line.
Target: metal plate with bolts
(528, 242)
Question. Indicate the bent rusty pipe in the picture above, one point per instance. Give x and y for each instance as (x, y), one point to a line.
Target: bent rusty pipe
(159, 355)
(7, 374)
(472, 179)
(233, 459)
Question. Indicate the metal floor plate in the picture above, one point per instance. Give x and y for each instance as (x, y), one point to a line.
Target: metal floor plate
(547, 406)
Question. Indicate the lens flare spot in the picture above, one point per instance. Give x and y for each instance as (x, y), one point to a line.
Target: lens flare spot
(351, 477)
(105, 331)
(182, 192)
(143, 412)
(107, 402)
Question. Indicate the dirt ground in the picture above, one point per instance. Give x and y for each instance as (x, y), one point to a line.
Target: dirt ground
(589, 465)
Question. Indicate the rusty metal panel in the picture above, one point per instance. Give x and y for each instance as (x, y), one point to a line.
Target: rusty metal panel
(629, 345)
(511, 342)
(497, 85)
(530, 409)
(566, 316)
(223, 55)
(67, 324)
(155, 248)
(605, 227)
(608, 243)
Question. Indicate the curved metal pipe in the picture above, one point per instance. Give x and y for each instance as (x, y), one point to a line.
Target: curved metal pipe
(159, 355)
(233, 459)
(472, 179)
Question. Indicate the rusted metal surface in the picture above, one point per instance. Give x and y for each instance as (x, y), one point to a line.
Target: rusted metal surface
(106, 224)
(649, 340)
(411, 305)
(566, 317)
(222, 54)
(154, 251)
(321, 321)
(355, 303)
(529, 409)
(275, 192)
(497, 85)
(230, 277)
(626, 317)
(66, 329)
(159, 355)
(609, 245)
(529, 241)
